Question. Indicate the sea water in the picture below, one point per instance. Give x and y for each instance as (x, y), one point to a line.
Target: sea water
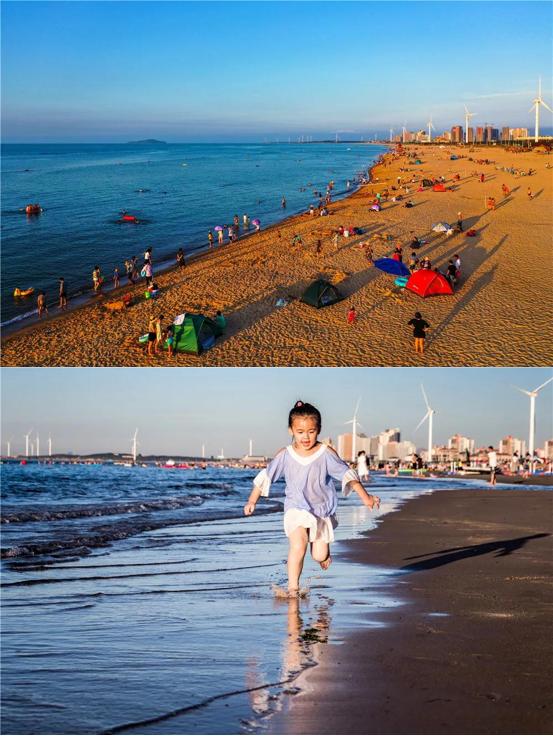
(140, 600)
(177, 191)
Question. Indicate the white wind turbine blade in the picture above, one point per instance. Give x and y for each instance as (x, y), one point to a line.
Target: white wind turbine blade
(422, 421)
(533, 106)
(539, 388)
(425, 397)
(522, 390)
(546, 106)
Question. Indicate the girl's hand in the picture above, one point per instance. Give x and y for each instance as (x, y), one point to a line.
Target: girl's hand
(373, 502)
(249, 508)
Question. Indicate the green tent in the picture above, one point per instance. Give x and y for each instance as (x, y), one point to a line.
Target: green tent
(196, 334)
(321, 294)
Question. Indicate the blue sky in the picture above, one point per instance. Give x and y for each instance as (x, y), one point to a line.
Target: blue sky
(97, 409)
(202, 71)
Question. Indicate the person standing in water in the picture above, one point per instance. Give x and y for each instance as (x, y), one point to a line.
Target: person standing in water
(63, 293)
(309, 468)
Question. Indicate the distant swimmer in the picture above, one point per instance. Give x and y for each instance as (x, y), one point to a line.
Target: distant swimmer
(283, 203)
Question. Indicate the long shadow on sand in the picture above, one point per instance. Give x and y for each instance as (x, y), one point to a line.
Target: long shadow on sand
(481, 283)
(501, 548)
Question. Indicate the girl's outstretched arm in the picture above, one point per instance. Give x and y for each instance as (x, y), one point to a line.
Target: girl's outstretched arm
(262, 481)
(367, 499)
(249, 508)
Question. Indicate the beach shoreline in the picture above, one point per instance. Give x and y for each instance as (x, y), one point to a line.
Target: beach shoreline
(501, 288)
(167, 265)
(469, 651)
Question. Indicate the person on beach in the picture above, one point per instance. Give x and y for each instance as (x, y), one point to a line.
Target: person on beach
(220, 237)
(451, 273)
(210, 239)
(146, 273)
(457, 262)
(420, 326)
(335, 238)
(116, 280)
(41, 304)
(148, 256)
(311, 210)
(170, 339)
(230, 232)
(352, 315)
(319, 246)
(220, 321)
(62, 293)
(129, 271)
(529, 193)
(257, 226)
(97, 279)
(505, 189)
(134, 269)
(492, 462)
(151, 335)
(308, 467)
(283, 203)
(159, 334)
(246, 221)
(362, 467)
(236, 222)
(181, 261)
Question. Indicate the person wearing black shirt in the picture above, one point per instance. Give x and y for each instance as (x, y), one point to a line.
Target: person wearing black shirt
(419, 326)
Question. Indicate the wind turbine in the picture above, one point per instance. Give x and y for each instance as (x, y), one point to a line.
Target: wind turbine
(134, 445)
(429, 415)
(49, 446)
(27, 442)
(537, 102)
(532, 434)
(403, 132)
(250, 453)
(354, 424)
(9, 447)
(37, 445)
(468, 116)
(430, 129)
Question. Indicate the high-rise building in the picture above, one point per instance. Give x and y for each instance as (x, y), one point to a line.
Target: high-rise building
(519, 133)
(460, 444)
(457, 134)
(446, 135)
(480, 134)
(548, 450)
(492, 134)
(470, 134)
(505, 133)
(509, 445)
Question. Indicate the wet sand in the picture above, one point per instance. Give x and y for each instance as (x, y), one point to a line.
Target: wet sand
(470, 651)
(498, 315)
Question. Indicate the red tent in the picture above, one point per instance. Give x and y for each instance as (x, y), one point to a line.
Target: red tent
(428, 283)
(439, 188)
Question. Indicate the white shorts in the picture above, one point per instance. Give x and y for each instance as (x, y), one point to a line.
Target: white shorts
(318, 529)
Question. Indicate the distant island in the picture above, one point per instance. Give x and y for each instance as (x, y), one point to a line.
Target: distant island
(147, 142)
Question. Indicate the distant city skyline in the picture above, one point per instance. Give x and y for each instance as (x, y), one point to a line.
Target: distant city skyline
(178, 410)
(245, 71)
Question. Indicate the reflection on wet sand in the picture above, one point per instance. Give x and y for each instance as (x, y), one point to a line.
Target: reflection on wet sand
(308, 628)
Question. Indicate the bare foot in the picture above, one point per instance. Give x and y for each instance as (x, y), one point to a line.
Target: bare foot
(325, 564)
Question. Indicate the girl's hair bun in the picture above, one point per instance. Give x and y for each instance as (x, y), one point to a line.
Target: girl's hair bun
(301, 409)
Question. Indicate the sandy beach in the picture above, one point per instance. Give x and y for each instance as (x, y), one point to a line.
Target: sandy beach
(470, 651)
(499, 314)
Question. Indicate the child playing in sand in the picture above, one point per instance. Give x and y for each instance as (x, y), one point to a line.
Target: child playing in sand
(352, 315)
(308, 467)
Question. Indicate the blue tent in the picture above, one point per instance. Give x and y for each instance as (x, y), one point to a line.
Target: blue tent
(389, 265)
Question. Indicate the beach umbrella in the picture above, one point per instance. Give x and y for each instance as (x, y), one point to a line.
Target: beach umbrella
(255, 221)
(428, 283)
(218, 228)
(389, 265)
(441, 227)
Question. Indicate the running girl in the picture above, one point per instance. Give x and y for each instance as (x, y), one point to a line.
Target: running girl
(308, 467)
